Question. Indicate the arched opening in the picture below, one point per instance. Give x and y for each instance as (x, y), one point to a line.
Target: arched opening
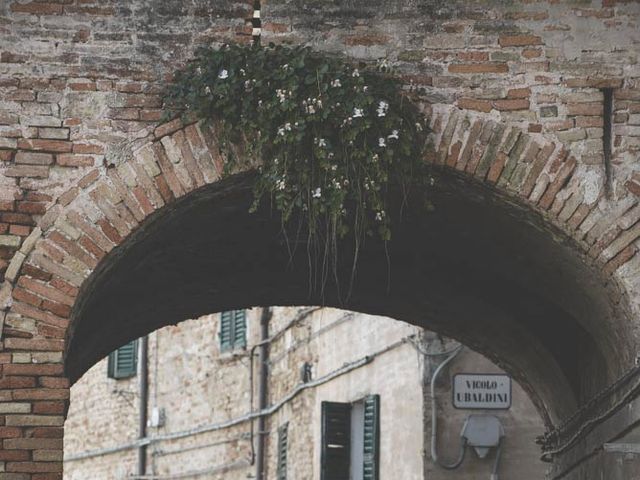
(479, 268)
(200, 391)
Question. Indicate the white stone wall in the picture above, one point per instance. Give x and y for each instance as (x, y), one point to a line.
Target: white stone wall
(199, 387)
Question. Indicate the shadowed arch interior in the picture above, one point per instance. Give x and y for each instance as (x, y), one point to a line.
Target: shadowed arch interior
(478, 268)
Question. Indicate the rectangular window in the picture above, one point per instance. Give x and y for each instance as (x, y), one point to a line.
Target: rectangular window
(233, 329)
(123, 363)
(351, 439)
(283, 445)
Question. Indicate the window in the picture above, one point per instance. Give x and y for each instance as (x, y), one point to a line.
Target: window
(351, 439)
(233, 329)
(123, 363)
(283, 444)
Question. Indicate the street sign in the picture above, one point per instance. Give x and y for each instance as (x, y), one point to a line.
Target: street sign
(482, 391)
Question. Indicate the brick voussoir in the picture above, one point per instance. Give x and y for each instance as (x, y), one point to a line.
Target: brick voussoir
(208, 137)
(99, 238)
(129, 200)
(34, 313)
(111, 214)
(201, 153)
(72, 248)
(188, 158)
(168, 170)
(172, 152)
(145, 181)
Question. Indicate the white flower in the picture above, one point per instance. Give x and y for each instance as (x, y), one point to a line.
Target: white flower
(394, 135)
(375, 157)
(281, 131)
(336, 83)
(207, 90)
(334, 168)
(365, 88)
(317, 193)
(382, 108)
(380, 215)
(242, 72)
(322, 142)
(355, 73)
(247, 84)
(287, 127)
(382, 142)
(310, 109)
(285, 66)
(418, 127)
(280, 184)
(199, 71)
(223, 74)
(358, 112)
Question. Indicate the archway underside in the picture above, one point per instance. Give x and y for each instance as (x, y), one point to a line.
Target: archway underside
(477, 268)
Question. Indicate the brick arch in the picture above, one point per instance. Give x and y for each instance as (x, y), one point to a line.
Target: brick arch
(109, 204)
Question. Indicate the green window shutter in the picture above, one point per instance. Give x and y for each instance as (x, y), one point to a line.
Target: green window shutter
(123, 363)
(226, 330)
(233, 329)
(283, 445)
(240, 328)
(336, 441)
(371, 438)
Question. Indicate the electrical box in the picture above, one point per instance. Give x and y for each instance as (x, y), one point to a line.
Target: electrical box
(157, 418)
(482, 432)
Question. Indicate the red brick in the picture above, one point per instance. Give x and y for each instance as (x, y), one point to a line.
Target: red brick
(42, 394)
(519, 93)
(591, 108)
(34, 467)
(14, 455)
(72, 160)
(33, 369)
(519, 40)
(508, 105)
(17, 382)
(488, 67)
(35, 208)
(37, 8)
(61, 146)
(39, 344)
(49, 408)
(88, 148)
(474, 104)
(10, 432)
(53, 382)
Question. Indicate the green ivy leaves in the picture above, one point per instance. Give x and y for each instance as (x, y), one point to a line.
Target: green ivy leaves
(330, 137)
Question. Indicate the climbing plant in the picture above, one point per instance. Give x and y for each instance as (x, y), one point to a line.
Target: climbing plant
(328, 137)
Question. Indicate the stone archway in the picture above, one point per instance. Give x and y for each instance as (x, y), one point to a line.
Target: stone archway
(510, 190)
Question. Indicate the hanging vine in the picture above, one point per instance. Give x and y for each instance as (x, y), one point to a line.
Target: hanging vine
(328, 138)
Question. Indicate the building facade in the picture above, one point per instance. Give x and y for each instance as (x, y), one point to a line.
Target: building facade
(347, 397)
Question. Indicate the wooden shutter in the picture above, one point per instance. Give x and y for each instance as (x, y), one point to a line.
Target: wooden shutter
(123, 363)
(336, 439)
(283, 445)
(240, 328)
(371, 438)
(226, 330)
(233, 329)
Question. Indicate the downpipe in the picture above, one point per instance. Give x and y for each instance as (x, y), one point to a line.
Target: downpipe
(263, 376)
(142, 405)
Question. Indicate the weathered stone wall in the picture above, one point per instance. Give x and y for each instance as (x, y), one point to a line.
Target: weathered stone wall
(197, 385)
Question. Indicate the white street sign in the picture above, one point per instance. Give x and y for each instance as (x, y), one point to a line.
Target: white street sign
(482, 391)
